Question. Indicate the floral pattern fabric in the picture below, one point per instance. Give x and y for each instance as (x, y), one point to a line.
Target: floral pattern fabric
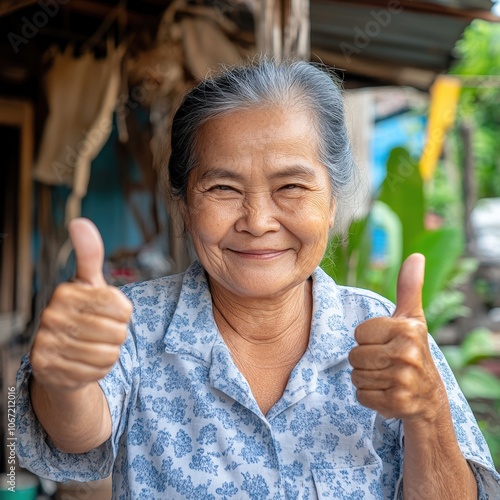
(186, 425)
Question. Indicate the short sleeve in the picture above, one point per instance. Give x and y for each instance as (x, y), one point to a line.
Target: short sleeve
(469, 437)
(35, 449)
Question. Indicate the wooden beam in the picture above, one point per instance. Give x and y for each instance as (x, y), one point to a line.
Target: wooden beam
(88, 7)
(9, 6)
(98, 9)
(396, 75)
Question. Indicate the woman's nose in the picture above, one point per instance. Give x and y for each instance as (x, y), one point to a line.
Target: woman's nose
(258, 215)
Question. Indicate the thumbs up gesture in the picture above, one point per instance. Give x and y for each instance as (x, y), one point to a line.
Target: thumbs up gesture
(393, 370)
(85, 323)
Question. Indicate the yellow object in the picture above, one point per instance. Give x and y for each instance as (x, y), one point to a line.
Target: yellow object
(444, 98)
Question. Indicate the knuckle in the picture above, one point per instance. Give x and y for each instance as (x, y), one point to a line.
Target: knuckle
(42, 356)
(37, 361)
(360, 396)
(102, 372)
(399, 399)
(71, 330)
(128, 307)
(412, 330)
(117, 335)
(410, 355)
(117, 352)
(48, 317)
(110, 357)
(63, 292)
(124, 315)
(363, 330)
(88, 306)
(358, 333)
(352, 356)
(122, 335)
(382, 359)
(406, 377)
(104, 296)
(48, 352)
(408, 333)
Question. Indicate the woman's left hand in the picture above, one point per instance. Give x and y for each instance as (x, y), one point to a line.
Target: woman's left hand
(393, 370)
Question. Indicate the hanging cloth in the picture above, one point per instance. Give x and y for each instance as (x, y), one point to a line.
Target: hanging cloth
(82, 94)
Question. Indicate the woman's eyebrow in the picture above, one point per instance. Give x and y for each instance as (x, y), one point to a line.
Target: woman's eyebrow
(220, 173)
(301, 171)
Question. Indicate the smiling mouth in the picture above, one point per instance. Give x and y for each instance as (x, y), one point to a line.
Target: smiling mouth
(259, 254)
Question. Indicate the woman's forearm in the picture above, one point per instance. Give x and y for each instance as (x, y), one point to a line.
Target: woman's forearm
(76, 421)
(434, 466)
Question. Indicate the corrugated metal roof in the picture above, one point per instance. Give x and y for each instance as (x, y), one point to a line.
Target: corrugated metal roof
(394, 41)
(374, 41)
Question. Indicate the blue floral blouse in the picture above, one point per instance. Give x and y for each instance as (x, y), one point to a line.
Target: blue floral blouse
(186, 425)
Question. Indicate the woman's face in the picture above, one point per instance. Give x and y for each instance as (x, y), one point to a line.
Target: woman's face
(258, 204)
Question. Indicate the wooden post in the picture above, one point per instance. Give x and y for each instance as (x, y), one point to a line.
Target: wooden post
(283, 29)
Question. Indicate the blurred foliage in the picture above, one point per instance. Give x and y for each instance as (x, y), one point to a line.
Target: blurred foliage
(479, 57)
(443, 193)
(399, 212)
(400, 209)
(480, 386)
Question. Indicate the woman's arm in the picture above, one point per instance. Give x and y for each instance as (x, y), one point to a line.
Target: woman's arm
(434, 466)
(77, 344)
(76, 421)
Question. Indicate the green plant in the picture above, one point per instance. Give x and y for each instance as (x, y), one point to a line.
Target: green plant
(480, 387)
(399, 212)
(479, 66)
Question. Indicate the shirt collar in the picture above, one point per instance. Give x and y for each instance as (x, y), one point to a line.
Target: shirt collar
(193, 331)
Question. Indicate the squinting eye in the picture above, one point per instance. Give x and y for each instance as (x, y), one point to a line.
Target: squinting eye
(221, 188)
(290, 186)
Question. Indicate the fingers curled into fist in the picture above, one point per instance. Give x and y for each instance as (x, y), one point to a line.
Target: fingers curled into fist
(393, 370)
(85, 322)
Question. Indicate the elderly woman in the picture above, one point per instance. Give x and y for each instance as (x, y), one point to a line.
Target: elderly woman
(252, 374)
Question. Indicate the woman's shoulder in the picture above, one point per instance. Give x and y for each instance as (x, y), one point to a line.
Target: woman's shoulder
(156, 302)
(167, 287)
(351, 298)
(141, 289)
(366, 298)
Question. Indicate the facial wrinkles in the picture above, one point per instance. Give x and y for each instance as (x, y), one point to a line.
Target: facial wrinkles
(255, 156)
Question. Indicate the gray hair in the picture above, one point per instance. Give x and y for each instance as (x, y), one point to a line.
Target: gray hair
(267, 83)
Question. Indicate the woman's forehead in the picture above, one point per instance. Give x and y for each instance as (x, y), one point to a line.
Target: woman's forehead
(261, 131)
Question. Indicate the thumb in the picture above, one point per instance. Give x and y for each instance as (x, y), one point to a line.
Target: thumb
(409, 288)
(89, 251)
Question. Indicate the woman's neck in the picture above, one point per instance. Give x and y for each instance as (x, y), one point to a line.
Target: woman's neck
(266, 333)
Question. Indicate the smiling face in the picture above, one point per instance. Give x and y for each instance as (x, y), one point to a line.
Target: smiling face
(258, 205)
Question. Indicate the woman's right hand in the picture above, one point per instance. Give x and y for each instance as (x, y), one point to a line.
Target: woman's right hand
(85, 323)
